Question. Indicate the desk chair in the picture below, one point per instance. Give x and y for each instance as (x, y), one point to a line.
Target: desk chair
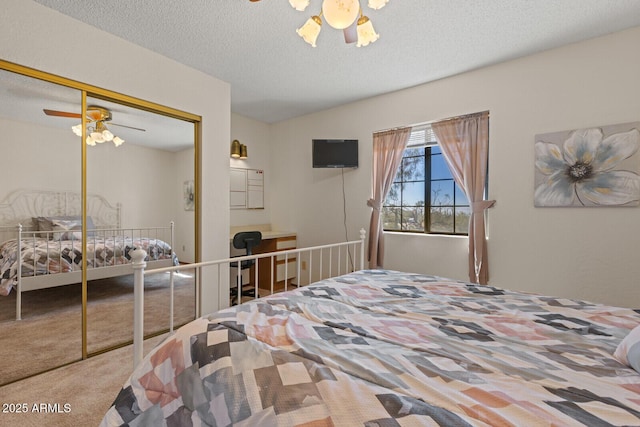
(244, 240)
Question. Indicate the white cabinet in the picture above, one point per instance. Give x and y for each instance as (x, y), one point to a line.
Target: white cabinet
(255, 189)
(246, 188)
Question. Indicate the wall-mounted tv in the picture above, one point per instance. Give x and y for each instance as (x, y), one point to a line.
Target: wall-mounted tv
(335, 153)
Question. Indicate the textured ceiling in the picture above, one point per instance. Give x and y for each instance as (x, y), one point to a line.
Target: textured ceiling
(274, 75)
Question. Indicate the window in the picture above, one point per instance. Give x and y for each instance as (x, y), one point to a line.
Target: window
(424, 197)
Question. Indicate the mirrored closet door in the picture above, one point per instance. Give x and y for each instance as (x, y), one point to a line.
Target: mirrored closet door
(144, 169)
(40, 317)
(89, 175)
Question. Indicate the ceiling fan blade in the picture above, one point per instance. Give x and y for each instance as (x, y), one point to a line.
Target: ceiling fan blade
(125, 126)
(62, 114)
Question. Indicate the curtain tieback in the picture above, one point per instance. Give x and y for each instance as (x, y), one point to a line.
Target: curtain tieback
(372, 203)
(482, 205)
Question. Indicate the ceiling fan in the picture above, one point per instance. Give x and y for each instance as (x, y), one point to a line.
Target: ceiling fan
(95, 114)
(97, 131)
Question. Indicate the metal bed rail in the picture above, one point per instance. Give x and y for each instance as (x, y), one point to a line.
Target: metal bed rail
(322, 262)
(40, 276)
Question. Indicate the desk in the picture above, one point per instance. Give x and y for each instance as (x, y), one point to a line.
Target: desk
(272, 241)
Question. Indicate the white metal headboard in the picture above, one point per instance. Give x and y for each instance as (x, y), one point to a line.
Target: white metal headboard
(21, 205)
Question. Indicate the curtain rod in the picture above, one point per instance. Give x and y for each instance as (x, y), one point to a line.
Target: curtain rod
(392, 129)
(432, 121)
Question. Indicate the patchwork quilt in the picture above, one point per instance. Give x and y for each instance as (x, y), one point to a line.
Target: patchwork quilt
(385, 348)
(44, 256)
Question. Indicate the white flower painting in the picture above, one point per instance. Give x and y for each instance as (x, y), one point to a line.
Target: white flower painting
(188, 195)
(588, 167)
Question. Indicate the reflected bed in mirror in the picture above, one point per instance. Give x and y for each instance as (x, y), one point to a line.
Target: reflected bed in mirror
(47, 233)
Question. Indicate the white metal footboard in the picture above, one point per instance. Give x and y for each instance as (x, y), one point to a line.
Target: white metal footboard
(320, 262)
(118, 265)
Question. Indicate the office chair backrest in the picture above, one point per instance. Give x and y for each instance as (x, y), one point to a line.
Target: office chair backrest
(247, 240)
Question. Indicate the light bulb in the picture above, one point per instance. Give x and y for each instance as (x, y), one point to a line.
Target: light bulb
(340, 13)
(107, 135)
(97, 137)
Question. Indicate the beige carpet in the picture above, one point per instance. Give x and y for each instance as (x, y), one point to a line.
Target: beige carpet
(50, 333)
(83, 391)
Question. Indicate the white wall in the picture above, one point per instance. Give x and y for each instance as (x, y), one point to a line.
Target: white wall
(184, 220)
(111, 171)
(256, 136)
(38, 37)
(53, 163)
(588, 253)
(29, 161)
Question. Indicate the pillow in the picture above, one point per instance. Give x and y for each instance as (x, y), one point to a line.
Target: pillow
(36, 227)
(628, 351)
(63, 223)
(66, 225)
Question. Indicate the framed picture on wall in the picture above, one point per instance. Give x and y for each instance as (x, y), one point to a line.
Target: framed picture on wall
(597, 166)
(189, 197)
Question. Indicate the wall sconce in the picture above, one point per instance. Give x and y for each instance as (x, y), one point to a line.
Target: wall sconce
(235, 149)
(238, 151)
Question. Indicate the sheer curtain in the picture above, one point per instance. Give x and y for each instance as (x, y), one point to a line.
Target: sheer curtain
(464, 142)
(388, 148)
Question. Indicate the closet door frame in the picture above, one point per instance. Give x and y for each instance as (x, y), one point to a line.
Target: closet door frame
(133, 102)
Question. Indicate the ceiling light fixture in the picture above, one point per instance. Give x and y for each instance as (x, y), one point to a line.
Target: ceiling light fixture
(343, 15)
(99, 133)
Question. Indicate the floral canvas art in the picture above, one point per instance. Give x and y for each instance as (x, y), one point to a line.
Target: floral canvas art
(188, 195)
(588, 167)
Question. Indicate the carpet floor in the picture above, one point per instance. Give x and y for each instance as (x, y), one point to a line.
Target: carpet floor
(50, 334)
(75, 395)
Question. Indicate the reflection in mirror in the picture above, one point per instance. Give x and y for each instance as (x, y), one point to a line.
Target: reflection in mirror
(148, 173)
(41, 166)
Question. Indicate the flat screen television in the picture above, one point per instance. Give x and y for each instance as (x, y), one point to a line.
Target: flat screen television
(335, 153)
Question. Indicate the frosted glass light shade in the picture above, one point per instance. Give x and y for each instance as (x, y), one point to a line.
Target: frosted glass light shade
(299, 5)
(97, 137)
(310, 30)
(107, 135)
(366, 33)
(377, 4)
(340, 13)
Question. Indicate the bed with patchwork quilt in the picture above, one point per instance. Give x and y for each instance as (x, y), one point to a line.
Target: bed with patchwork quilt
(41, 235)
(387, 348)
(43, 256)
